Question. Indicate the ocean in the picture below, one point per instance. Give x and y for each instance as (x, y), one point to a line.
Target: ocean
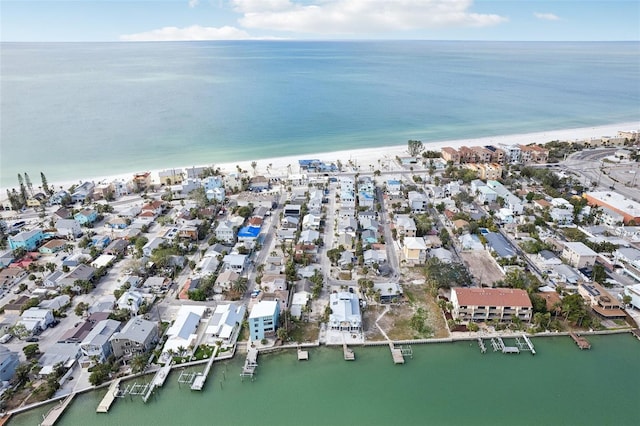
(443, 384)
(80, 110)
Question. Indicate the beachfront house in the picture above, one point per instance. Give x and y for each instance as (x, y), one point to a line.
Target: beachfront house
(96, 347)
(225, 323)
(263, 319)
(138, 336)
(345, 312)
(484, 304)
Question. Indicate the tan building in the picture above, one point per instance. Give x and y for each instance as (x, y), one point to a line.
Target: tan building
(467, 155)
(142, 181)
(484, 304)
(171, 176)
(533, 154)
(414, 250)
(450, 154)
(601, 301)
(483, 155)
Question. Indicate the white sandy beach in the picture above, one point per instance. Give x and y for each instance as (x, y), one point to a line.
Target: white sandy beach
(365, 158)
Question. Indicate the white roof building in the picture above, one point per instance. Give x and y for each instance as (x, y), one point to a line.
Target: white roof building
(225, 321)
(183, 332)
(345, 312)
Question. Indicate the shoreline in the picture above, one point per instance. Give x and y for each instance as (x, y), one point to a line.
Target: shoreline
(308, 345)
(366, 158)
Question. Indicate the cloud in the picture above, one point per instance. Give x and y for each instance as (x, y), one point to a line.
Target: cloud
(546, 16)
(360, 16)
(193, 3)
(194, 32)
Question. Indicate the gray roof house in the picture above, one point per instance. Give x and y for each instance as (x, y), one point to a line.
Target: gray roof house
(96, 344)
(8, 363)
(138, 336)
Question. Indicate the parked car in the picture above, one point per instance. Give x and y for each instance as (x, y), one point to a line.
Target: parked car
(32, 339)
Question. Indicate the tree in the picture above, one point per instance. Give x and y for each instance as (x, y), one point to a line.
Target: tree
(28, 182)
(139, 363)
(254, 166)
(20, 331)
(45, 185)
(23, 190)
(81, 308)
(30, 351)
(599, 274)
(414, 147)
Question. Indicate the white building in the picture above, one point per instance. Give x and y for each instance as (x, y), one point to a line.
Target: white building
(578, 254)
(634, 292)
(183, 331)
(345, 312)
(225, 322)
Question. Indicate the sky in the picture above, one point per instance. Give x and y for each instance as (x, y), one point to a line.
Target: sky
(168, 20)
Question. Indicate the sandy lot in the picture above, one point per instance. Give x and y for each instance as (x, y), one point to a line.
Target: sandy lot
(482, 266)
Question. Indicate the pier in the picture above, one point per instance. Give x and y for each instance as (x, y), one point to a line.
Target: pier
(303, 355)
(580, 341)
(525, 344)
(250, 364)
(54, 414)
(636, 332)
(348, 353)
(498, 345)
(112, 393)
(483, 348)
(201, 378)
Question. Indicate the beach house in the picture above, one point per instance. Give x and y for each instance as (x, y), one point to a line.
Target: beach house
(86, 216)
(96, 345)
(263, 319)
(27, 240)
(138, 336)
(345, 312)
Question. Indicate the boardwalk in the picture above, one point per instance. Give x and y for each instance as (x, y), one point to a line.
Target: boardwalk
(200, 379)
(55, 413)
(580, 341)
(108, 399)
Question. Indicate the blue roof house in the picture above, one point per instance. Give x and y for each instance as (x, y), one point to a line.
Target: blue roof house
(86, 216)
(27, 240)
(248, 233)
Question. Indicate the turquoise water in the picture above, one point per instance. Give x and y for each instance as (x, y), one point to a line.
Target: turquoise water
(444, 384)
(77, 110)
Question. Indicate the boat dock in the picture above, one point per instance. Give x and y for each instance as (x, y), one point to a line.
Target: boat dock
(498, 345)
(157, 381)
(636, 332)
(483, 348)
(198, 382)
(54, 414)
(525, 344)
(348, 353)
(398, 353)
(580, 341)
(108, 399)
(250, 364)
(303, 355)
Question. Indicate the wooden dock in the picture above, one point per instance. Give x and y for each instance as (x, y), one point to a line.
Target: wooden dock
(201, 378)
(348, 353)
(108, 399)
(580, 341)
(636, 332)
(303, 355)
(396, 354)
(54, 414)
(250, 363)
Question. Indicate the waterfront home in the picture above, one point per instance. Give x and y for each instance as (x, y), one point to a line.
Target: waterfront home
(82, 192)
(414, 250)
(138, 336)
(59, 197)
(28, 240)
(345, 312)
(56, 355)
(141, 181)
(86, 216)
(225, 323)
(36, 319)
(263, 320)
(601, 301)
(171, 176)
(259, 184)
(95, 346)
(484, 304)
(578, 254)
(8, 362)
(183, 331)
